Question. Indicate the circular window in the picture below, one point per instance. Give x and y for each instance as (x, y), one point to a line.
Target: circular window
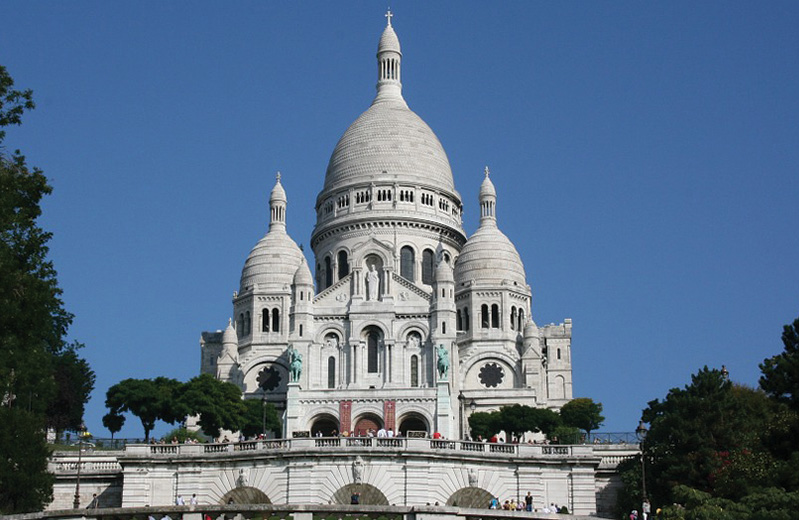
(491, 375)
(269, 378)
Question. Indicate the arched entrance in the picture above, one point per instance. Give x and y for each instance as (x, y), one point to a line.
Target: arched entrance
(370, 495)
(366, 423)
(470, 497)
(413, 422)
(326, 424)
(245, 495)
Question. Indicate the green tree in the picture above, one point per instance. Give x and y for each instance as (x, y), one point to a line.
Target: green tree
(483, 424)
(582, 413)
(33, 323)
(74, 380)
(780, 378)
(148, 399)
(260, 417)
(217, 403)
(25, 483)
(114, 422)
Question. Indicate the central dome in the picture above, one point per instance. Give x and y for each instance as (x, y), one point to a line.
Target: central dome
(389, 142)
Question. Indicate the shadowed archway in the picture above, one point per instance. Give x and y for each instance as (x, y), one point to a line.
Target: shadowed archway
(470, 497)
(370, 495)
(245, 495)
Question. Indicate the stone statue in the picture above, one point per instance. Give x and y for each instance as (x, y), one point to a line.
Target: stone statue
(372, 282)
(472, 477)
(244, 478)
(443, 362)
(413, 341)
(357, 470)
(295, 364)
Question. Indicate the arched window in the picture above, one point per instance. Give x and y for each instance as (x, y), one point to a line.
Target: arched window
(406, 263)
(558, 353)
(247, 324)
(331, 372)
(512, 318)
(521, 319)
(466, 318)
(328, 273)
(343, 265)
(414, 371)
(240, 328)
(495, 316)
(428, 258)
(484, 316)
(443, 327)
(275, 320)
(458, 321)
(371, 351)
(265, 320)
(300, 329)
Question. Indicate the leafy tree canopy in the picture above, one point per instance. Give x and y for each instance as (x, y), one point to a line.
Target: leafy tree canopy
(780, 377)
(148, 399)
(42, 380)
(582, 413)
(260, 417)
(218, 404)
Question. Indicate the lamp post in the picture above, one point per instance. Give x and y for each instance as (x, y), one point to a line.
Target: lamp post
(472, 408)
(641, 432)
(461, 399)
(82, 434)
(263, 416)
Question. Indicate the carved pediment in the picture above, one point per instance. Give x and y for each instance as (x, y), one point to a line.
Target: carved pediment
(337, 294)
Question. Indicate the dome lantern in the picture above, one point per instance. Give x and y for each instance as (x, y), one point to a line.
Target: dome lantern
(277, 206)
(488, 201)
(389, 58)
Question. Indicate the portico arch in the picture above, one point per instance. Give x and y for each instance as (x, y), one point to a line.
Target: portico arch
(413, 422)
(245, 495)
(370, 495)
(473, 497)
(326, 424)
(367, 422)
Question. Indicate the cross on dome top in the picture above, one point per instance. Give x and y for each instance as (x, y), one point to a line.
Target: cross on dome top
(388, 16)
(487, 172)
(278, 176)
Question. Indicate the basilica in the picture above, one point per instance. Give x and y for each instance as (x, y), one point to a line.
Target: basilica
(403, 322)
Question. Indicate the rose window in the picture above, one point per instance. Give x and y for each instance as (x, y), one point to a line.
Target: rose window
(491, 375)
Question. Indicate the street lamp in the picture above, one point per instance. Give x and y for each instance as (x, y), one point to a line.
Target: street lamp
(473, 406)
(641, 432)
(82, 434)
(725, 373)
(263, 417)
(461, 399)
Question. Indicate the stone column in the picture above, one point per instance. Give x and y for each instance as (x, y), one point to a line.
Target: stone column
(443, 409)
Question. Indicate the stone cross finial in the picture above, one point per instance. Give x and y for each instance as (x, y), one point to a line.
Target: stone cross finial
(487, 172)
(388, 16)
(278, 176)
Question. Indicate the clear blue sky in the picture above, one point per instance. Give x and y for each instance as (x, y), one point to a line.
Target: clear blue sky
(645, 154)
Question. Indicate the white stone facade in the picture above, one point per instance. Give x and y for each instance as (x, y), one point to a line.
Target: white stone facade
(395, 278)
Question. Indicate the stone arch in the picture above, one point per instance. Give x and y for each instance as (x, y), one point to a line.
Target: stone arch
(370, 495)
(325, 423)
(338, 330)
(500, 374)
(364, 422)
(499, 353)
(276, 381)
(412, 421)
(474, 497)
(245, 495)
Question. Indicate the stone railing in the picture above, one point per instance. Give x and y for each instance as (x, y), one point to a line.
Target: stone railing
(289, 512)
(356, 444)
(92, 462)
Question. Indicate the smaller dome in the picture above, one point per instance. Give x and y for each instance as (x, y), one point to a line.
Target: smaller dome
(389, 41)
(444, 272)
(487, 187)
(490, 257)
(278, 193)
(229, 336)
(303, 274)
(272, 263)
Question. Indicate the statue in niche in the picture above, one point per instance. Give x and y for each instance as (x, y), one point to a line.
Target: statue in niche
(372, 282)
(244, 478)
(357, 470)
(413, 341)
(443, 362)
(331, 341)
(472, 477)
(295, 364)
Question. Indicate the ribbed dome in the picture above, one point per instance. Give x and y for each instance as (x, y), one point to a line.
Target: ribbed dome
(444, 272)
(389, 41)
(272, 262)
(487, 187)
(389, 138)
(303, 274)
(489, 257)
(229, 336)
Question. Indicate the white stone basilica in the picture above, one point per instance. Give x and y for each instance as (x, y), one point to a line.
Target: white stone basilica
(407, 323)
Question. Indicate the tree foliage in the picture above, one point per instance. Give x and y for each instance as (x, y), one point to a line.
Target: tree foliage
(582, 413)
(260, 417)
(721, 450)
(148, 399)
(780, 377)
(514, 420)
(42, 380)
(218, 404)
